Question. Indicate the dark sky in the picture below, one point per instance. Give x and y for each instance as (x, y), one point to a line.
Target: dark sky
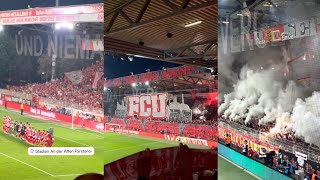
(23, 4)
(115, 67)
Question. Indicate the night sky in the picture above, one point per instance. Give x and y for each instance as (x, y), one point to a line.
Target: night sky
(115, 67)
(23, 4)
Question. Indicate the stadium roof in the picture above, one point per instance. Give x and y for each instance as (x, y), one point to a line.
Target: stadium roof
(157, 30)
(167, 80)
(269, 12)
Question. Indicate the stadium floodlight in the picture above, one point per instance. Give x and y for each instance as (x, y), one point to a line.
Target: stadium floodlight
(193, 24)
(70, 26)
(57, 26)
(64, 25)
(1, 28)
(134, 84)
(147, 83)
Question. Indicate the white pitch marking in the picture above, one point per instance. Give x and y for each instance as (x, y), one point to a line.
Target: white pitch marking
(26, 164)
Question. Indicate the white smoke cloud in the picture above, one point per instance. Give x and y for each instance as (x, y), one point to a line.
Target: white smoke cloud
(262, 95)
(306, 117)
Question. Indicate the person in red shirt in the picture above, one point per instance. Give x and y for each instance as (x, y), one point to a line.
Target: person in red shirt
(250, 152)
(49, 140)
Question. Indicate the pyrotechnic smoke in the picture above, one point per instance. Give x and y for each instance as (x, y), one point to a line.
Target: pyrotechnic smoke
(264, 88)
(262, 94)
(306, 117)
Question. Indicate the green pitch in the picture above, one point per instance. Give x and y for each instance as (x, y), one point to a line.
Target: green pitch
(15, 163)
(228, 171)
(118, 146)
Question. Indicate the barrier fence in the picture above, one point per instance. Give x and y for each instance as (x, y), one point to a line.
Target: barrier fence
(79, 122)
(287, 145)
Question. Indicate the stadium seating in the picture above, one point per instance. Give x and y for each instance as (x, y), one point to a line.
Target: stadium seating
(63, 89)
(153, 126)
(134, 125)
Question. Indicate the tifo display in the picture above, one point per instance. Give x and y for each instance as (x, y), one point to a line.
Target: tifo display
(27, 133)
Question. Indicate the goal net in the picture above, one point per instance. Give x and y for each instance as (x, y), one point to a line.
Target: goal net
(87, 120)
(113, 128)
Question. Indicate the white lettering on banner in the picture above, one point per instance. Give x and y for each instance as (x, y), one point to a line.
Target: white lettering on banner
(52, 19)
(34, 111)
(67, 10)
(199, 142)
(65, 46)
(147, 106)
(42, 113)
(301, 155)
(100, 126)
(125, 131)
(48, 114)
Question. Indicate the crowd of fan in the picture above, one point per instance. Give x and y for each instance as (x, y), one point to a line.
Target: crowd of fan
(63, 90)
(200, 131)
(266, 128)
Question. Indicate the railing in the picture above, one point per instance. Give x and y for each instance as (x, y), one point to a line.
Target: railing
(284, 144)
(54, 102)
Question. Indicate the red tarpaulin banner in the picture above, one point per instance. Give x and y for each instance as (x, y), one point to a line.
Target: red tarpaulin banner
(199, 142)
(93, 125)
(75, 76)
(164, 162)
(97, 77)
(238, 140)
(82, 13)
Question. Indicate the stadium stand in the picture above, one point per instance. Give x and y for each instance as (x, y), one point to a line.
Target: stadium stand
(64, 90)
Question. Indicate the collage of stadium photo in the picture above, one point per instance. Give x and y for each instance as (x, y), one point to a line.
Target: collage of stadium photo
(159, 89)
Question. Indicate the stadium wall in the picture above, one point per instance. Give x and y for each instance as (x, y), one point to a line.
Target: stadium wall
(199, 142)
(252, 166)
(93, 125)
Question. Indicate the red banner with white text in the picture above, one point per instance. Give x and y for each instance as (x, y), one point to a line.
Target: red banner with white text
(82, 13)
(164, 162)
(239, 139)
(187, 140)
(53, 116)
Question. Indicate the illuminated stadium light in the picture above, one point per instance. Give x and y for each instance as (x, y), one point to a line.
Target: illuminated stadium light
(105, 89)
(64, 25)
(1, 28)
(239, 14)
(196, 111)
(147, 83)
(225, 22)
(193, 24)
(134, 84)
